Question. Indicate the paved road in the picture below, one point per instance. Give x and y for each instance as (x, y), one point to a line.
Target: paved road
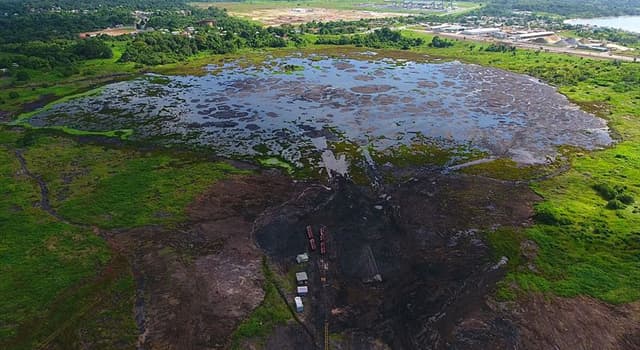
(530, 46)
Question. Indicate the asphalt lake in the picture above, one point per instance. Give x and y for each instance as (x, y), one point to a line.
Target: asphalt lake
(292, 107)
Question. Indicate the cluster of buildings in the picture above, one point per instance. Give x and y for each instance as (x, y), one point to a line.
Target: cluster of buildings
(420, 4)
(517, 34)
(302, 279)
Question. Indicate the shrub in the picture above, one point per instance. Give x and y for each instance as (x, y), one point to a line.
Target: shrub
(615, 204)
(437, 42)
(545, 215)
(626, 198)
(605, 191)
(22, 75)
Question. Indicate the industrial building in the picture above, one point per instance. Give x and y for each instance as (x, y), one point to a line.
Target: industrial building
(525, 36)
(481, 31)
(447, 28)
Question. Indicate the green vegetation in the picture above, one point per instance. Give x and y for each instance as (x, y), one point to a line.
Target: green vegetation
(507, 169)
(380, 38)
(115, 188)
(422, 152)
(584, 247)
(49, 287)
(272, 312)
(52, 285)
(506, 241)
(274, 162)
(438, 42)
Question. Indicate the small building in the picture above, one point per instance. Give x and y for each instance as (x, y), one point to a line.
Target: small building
(302, 278)
(481, 31)
(302, 258)
(592, 47)
(208, 22)
(533, 35)
(450, 29)
(302, 291)
(299, 305)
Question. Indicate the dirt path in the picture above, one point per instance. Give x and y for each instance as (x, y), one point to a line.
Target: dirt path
(44, 190)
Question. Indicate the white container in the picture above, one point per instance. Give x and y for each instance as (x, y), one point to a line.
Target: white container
(299, 306)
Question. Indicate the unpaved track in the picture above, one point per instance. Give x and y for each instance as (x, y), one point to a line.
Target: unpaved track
(44, 190)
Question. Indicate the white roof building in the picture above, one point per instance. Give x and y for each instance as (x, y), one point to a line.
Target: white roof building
(302, 258)
(299, 306)
(481, 31)
(302, 291)
(302, 278)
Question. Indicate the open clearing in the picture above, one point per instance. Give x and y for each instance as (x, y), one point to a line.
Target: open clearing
(280, 16)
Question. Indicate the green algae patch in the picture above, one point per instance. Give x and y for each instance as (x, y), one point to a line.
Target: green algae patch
(274, 162)
(421, 153)
(507, 169)
(357, 162)
(24, 117)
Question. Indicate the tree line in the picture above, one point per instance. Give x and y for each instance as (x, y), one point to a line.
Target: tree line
(379, 38)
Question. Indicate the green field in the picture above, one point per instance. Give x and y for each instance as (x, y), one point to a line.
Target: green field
(60, 275)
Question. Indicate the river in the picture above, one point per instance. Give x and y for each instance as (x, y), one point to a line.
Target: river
(628, 23)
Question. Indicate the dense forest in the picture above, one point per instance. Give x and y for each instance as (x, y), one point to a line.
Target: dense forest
(47, 40)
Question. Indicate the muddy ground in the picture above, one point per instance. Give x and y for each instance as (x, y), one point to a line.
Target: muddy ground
(423, 238)
(197, 282)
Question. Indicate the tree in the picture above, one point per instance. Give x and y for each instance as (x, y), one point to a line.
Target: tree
(22, 75)
(92, 48)
(439, 43)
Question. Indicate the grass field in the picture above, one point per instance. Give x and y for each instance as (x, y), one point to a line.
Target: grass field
(61, 276)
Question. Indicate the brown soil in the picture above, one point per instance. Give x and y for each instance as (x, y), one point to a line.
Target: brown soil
(294, 16)
(109, 32)
(197, 282)
(578, 323)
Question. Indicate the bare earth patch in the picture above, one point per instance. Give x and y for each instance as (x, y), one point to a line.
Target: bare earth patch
(197, 282)
(279, 16)
(578, 323)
